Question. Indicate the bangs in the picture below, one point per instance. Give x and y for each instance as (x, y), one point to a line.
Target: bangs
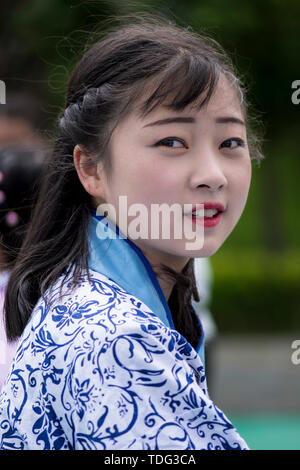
(188, 79)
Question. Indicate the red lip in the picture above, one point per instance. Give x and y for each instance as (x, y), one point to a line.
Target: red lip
(210, 205)
(209, 221)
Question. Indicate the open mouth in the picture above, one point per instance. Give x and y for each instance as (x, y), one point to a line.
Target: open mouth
(207, 218)
(208, 214)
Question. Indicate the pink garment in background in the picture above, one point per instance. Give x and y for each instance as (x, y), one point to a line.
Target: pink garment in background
(7, 350)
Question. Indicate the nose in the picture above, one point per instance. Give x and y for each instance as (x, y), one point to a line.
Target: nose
(208, 171)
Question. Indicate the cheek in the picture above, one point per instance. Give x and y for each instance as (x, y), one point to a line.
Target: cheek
(159, 183)
(149, 181)
(241, 183)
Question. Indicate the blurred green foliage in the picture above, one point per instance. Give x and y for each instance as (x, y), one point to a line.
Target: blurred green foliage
(255, 291)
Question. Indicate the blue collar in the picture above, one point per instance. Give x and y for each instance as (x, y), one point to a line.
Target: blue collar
(118, 258)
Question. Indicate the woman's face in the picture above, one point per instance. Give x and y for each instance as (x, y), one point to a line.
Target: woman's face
(187, 157)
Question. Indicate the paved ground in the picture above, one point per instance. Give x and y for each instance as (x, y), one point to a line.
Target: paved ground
(269, 431)
(258, 387)
(255, 373)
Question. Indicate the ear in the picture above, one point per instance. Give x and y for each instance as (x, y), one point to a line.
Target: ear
(88, 173)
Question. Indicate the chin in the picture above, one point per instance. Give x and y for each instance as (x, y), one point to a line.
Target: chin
(207, 250)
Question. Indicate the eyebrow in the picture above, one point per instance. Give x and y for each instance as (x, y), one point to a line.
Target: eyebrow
(230, 119)
(182, 119)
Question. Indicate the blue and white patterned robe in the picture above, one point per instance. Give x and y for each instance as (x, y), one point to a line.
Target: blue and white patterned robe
(98, 368)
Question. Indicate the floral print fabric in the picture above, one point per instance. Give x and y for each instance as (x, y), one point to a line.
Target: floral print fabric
(96, 369)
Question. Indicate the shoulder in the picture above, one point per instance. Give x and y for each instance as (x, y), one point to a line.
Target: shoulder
(98, 320)
(99, 315)
(97, 306)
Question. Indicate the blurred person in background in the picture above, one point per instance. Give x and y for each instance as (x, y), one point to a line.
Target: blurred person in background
(22, 148)
(20, 171)
(21, 120)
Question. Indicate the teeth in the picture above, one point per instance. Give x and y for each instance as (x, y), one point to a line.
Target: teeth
(210, 212)
(207, 213)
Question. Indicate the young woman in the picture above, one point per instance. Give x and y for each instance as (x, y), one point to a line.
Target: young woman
(111, 351)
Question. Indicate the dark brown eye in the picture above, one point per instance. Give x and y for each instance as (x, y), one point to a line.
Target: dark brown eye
(233, 143)
(170, 142)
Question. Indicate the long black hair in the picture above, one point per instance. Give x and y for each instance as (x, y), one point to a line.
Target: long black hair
(105, 85)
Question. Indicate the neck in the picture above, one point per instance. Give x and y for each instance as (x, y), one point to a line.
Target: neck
(165, 281)
(166, 286)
